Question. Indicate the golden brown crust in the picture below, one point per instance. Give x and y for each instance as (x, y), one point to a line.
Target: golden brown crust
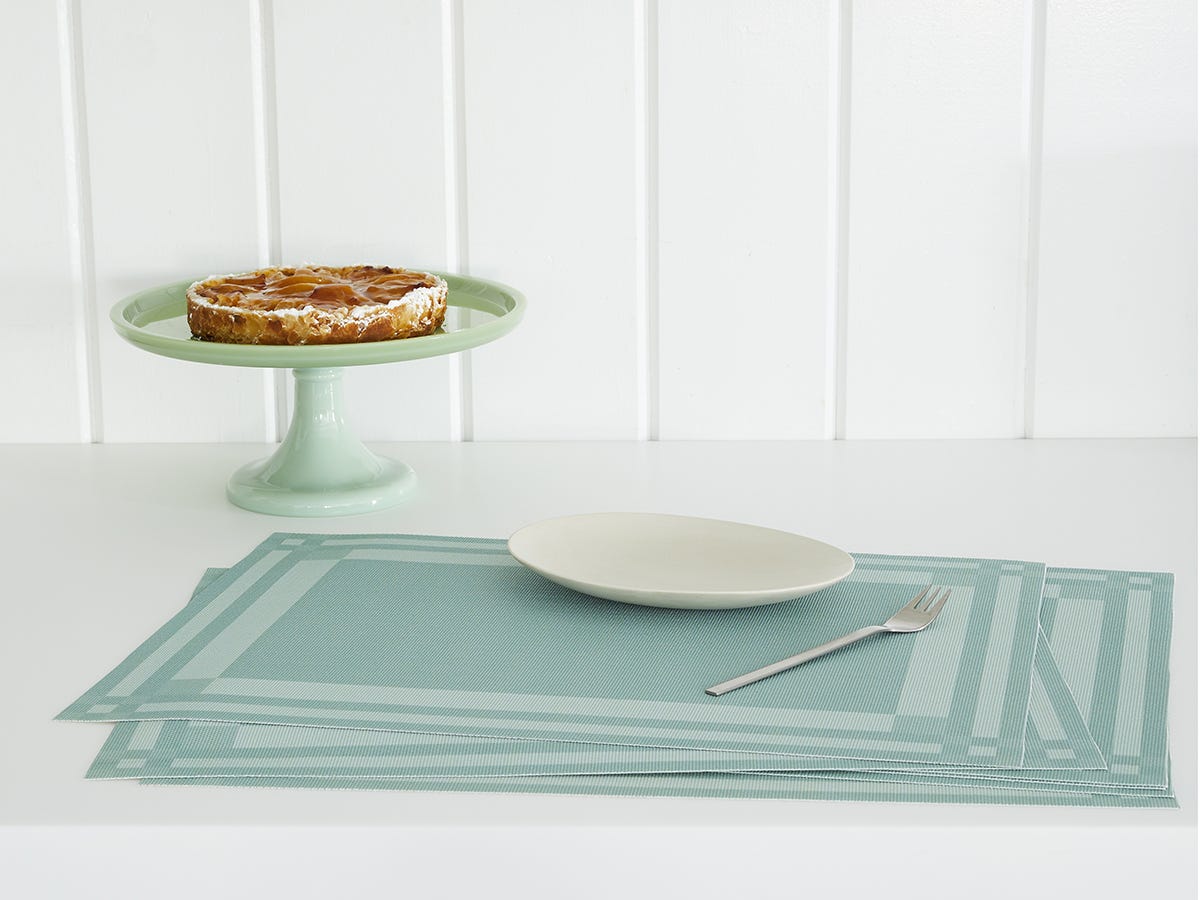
(316, 305)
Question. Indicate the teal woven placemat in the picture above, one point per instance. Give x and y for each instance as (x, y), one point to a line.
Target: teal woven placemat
(1113, 628)
(182, 748)
(1122, 653)
(1111, 635)
(427, 634)
(736, 786)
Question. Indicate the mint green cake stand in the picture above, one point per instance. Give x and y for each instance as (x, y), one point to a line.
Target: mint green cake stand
(321, 468)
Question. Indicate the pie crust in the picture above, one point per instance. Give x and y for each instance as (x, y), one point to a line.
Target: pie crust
(316, 305)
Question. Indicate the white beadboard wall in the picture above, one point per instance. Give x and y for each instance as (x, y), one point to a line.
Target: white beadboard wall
(767, 219)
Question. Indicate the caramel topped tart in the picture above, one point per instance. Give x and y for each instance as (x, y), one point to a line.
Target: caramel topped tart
(319, 287)
(316, 304)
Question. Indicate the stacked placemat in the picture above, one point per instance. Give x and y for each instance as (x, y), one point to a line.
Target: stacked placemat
(427, 663)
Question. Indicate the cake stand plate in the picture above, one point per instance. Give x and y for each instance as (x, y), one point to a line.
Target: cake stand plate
(320, 468)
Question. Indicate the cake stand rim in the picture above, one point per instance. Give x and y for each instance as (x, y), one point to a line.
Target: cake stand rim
(505, 303)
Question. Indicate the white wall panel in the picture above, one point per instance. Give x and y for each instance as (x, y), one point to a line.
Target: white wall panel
(361, 173)
(733, 220)
(38, 353)
(1116, 320)
(935, 322)
(550, 179)
(171, 154)
(743, 187)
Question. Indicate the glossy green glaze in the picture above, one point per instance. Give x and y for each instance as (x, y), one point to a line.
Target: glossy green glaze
(321, 468)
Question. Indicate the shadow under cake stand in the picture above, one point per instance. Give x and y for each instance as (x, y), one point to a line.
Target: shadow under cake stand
(321, 468)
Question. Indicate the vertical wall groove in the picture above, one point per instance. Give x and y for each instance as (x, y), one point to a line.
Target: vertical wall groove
(454, 133)
(841, 38)
(1034, 100)
(266, 167)
(645, 104)
(79, 224)
(1116, 88)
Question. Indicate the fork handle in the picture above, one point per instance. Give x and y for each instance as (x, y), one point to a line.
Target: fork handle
(792, 661)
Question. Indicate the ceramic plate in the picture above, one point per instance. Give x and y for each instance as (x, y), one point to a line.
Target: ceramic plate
(678, 561)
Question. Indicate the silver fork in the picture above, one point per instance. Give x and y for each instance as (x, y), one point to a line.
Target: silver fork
(913, 616)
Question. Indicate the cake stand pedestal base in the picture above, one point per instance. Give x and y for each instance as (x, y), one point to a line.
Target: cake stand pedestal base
(321, 468)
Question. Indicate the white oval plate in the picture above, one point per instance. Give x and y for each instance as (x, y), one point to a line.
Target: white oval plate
(678, 561)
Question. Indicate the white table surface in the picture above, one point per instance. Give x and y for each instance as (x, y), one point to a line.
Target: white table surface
(103, 543)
